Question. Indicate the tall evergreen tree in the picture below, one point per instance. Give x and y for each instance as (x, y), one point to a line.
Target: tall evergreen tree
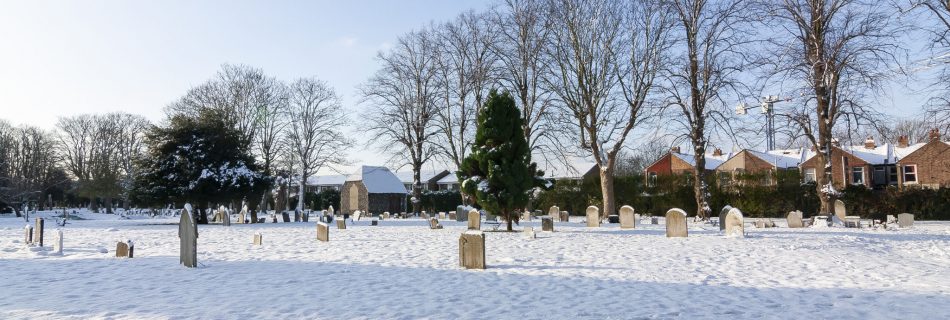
(499, 172)
(203, 160)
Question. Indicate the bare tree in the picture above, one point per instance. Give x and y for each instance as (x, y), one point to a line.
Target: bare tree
(838, 53)
(131, 146)
(521, 52)
(701, 77)
(272, 121)
(933, 16)
(402, 97)
(606, 56)
(314, 132)
(27, 164)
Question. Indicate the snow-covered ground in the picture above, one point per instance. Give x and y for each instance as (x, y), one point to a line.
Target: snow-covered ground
(403, 270)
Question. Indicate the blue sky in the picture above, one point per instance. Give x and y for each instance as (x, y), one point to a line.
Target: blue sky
(60, 58)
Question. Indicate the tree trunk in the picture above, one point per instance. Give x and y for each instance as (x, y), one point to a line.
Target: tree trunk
(202, 216)
(823, 178)
(699, 182)
(508, 218)
(108, 204)
(607, 190)
(416, 187)
(300, 192)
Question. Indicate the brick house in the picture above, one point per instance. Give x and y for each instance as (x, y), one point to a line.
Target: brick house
(675, 163)
(374, 190)
(924, 164)
(869, 165)
(756, 162)
(428, 178)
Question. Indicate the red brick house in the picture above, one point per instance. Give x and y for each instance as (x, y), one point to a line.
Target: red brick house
(869, 165)
(925, 165)
(757, 162)
(675, 162)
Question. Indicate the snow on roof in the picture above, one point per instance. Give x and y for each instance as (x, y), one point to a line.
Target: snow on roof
(575, 169)
(450, 178)
(378, 180)
(712, 162)
(327, 180)
(900, 153)
(878, 155)
(424, 175)
(788, 158)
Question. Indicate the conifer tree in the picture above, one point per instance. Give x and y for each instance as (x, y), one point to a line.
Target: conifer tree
(498, 172)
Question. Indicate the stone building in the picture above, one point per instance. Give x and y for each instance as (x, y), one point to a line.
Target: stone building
(374, 190)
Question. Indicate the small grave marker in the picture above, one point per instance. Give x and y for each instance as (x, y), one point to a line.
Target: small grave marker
(474, 220)
(285, 216)
(529, 233)
(794, 219)
(28, 235)
(547, 224)
(905, 220)
(323, 232)
(341, 224)
(555, 213)
(593, 217)
(58, 242)
(434, 224)
(627, 218)
(258, 239)
(38, 232)
(735, 226)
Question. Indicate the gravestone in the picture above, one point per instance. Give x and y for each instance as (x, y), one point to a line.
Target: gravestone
(555, 213)
(243, 217)
(526, 216)
(263, 220)
(472, 250)
(905, 220)
(38, 232)
(258, 239)
(357, 215)
(386, 215)
(374, 223)
(676, 223)
(124, 249)
(188, 235)
(627, 218)
(434, 224)
(341, 224)
(547, 224)
(296, 215)
(722, 217)
(425, 215)
(461, 214)
(593, 217)
(305, 216)
(323, 232)
(28, 236)
(565, 216)
(453, 216)
(331, 211)
(840, 212)
(891, 220)
(794, 219)
(273, 217)
(285, 216)
(735, 226)
(474, 220)
(225, 216)
(529, 233)
(654, 220)
(442, 215)
(58, 242)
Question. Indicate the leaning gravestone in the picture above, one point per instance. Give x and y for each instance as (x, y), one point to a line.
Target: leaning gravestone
(547, 224)
(474, 220)
(735, 226)
(38, 232)
(285, 216)
(676, 223)
(58, 242)
(258, 239)
(188, 234)
(555, 213)
(323, 232)
(593, 217)
(627, 218)
(905, 220)
(460, 214)
(225, 216)
(472, 250)
(529, 233)
(341, 224)
(794, 219)
(722, 217)
(124, 249)
(434, 224)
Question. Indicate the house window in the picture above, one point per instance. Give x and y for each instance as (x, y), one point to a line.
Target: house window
(857, 175)
(810, 175)
(892, 175)
(651, 179)
(910, 173)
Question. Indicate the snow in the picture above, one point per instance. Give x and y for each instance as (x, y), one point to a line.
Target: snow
(327, 180)
(403, 270)
(712, 161)
(900, 153)
(782, 159)
(378, 180)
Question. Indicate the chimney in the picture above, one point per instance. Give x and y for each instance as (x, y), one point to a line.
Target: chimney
(934, 134)
(869, 143)
(903, 142)
(717, 152)
(675, 150)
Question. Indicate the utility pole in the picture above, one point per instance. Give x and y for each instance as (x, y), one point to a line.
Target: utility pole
(768, 109)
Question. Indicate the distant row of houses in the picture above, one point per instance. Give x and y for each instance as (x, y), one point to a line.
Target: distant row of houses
(925, 164)
(432, 180)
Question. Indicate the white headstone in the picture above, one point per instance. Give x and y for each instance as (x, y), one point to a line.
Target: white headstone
(188, 235)
(627, 218)
(735, 226)
(722, 217)
(555, 213)
(905, 220)
(593, 217)
(794, 219)
(529, 233)
(58, 242)
(676, 223)
(840, 211)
